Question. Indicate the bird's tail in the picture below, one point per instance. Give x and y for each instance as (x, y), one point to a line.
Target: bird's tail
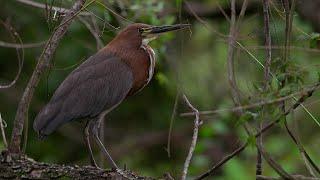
(42, 122)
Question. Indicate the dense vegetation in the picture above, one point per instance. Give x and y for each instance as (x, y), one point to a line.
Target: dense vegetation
(192, 62)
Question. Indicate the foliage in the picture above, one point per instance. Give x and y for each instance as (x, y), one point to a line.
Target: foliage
(194, 60)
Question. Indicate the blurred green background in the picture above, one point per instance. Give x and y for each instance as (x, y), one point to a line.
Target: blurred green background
(193, 61)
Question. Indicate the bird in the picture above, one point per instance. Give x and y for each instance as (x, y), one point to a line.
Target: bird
(97, 86)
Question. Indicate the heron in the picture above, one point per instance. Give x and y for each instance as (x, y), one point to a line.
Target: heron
(97, 86)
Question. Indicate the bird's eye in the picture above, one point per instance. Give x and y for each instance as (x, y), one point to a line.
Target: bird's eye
(140, 30)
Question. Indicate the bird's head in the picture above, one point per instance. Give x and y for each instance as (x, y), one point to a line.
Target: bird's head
(137, 34)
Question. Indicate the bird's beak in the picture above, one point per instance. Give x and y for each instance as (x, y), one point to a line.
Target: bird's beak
(156, 30)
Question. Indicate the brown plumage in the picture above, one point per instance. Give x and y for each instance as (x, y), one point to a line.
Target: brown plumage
(101, 82)
(98, 85)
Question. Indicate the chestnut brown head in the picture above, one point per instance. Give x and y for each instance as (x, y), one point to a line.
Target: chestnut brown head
(135, 34)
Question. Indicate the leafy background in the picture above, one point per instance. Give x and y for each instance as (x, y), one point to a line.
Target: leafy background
(192, 60)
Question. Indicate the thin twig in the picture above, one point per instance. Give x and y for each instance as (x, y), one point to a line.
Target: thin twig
(20, 56)
(257, 104)
(305, 155)
(93, 32)
(267, 43)
(3, 125)
(113, 12)
(21, 46)
(204, 22)
(222, 11)
(42, 66)
(194, 138)
(44, 6)
(275, 166)
(230, 56)
(242, 13)
(267, 71)
(289, 12)
(174, 112)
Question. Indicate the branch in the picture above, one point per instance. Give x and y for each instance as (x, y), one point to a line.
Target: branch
(42, 66)
(306, 157)
(194, 138)
(52, 8)
(275, 166)
(267, 42)
(267, 74)
(230, 57)
(21, 46)
(173, 114)
(257, 104)
(94, 33)
(27, 168)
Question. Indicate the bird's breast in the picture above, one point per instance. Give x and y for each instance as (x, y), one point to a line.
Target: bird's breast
(143, 68)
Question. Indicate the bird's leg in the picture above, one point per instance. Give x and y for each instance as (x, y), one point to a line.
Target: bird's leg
(87, 141)
(95, 130)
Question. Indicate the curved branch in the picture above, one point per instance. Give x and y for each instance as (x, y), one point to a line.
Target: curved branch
(14, 35)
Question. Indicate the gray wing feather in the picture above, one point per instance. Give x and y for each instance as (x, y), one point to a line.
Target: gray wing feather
(90, 89)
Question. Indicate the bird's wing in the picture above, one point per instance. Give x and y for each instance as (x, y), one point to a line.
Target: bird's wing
(95, 86)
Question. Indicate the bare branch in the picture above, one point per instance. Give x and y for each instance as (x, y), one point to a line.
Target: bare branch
(306, 157)
(44, 6)
(267, 42)
(221, 10)
(194, 138)
(42, 66)
(257, 104)
(94, 33)
(21, 46)
(267, 75)
(20, 56)
(203, 21)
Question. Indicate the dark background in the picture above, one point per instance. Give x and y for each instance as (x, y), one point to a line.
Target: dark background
(193, 61)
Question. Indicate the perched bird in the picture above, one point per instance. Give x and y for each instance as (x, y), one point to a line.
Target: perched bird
(102, 82)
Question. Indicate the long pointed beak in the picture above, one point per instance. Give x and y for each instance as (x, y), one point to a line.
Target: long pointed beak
(154, 30)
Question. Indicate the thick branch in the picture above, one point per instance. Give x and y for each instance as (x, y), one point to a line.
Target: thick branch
(26, 168)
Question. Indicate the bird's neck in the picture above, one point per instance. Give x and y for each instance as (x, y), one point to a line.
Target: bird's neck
(141, 59)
